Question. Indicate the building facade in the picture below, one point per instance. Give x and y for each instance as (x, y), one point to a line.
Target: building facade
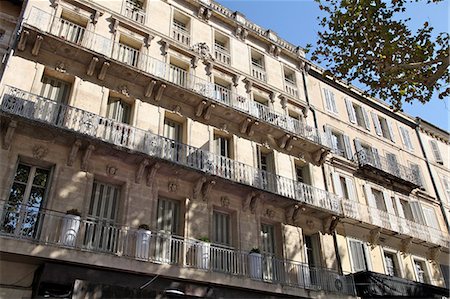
(175, 149)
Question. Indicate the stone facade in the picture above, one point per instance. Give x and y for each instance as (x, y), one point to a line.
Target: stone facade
(221, 138)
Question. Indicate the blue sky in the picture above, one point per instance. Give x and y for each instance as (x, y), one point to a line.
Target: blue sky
(296, 21)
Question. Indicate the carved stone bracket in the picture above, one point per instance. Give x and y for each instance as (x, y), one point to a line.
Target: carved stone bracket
(244, 125)
(140, 171)
(102, 73)
(73, 152)
(225, 201)
(272, 96)
(209, 67)
(160, 92)
(290, 143)
(37, 45)
(274, 50)
(434, 254)
(152, 173)
(406, 245)
(254, 203)
(329, 224)
(115, 25)
(318, 157)
(206, 189)
(248, 85)
(204, 13)
(164, 46)
(95, 16)
(208, 111)
(150, 88)
(23, 40)
(198, 187)
(148, 40)
(194, 61)
(282, 140)
(91, 67)
(374, 236)
(200, 107)
(241, 33)
(251, 128)
(9, 134)
(289, 213)
(283, 101)
(235, 79)
(247, 200)
(86, 157)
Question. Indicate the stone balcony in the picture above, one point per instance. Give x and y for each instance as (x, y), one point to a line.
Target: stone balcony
(378, 168)
(133, 12)
(157, 78)
(403, 228)
(23, 104)
(74, 233)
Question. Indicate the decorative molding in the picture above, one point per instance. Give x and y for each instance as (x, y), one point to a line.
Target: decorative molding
(86, 157)
(39, 151)
(274, 50)
(9, 134)
(111, 170)
(115, 25)
(172, 186)
(208, 111)
(152, 174)
(254, 203)
(123, 89)
(251, 129)
(273, 96)
(95, 16)
(199, 108)
(61, 67)
(290, 143)
(289, 213)
(203, 51)
(247, 200)
(270, 213)
(73, 152)
(225, 201)
(204, 13)
(23, 40)
(164, 46)
(206, 189)
(148, 40)
(140, 171)
(241, 33)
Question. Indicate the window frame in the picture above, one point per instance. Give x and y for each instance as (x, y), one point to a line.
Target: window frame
(397, 262)
(365, 252)
(425, 270)
(329, 100)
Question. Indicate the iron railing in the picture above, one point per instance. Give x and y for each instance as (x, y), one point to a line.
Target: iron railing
(37, 108)
(103, 45)
(47, 227)
(383, 219)
(364, 158)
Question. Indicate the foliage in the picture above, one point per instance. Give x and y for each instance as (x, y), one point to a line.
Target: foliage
(204, 239)
(367, 41)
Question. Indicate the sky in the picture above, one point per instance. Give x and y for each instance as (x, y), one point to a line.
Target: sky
(296, 21)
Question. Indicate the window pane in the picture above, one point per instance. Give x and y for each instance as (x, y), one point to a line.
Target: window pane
(22, 173)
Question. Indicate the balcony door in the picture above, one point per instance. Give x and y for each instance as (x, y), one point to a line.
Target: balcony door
(266, 166)
(101, 231)
(168, 246)
(172, 145)
(272, 269)
(21, 212)
(308, 274)
(393, 164)
(57, 91)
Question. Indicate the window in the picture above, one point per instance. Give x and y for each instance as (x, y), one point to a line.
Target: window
(26, 197)
(134, 9)
(265, 162)
(290, 82)
(417, 173)
(358, 254)
(268, 239)
(357, 114)
(407, 211)
(383, 127)
(330, 102)
(55, 89)
(379, 200)
(168, 219)
(406, 139)
(436, 152)
(118, 110)
(258, 68)
(430, 217)
(178, 73)
(221, 228)
(392, 164)
(446, 185)
(302, 174)
(391, 264)
(172, 130)
(127, 53)
(421, 273)
(222, 91)
(71, 28)
(344, 186)
(180, 29)
(222, 146)
(340, 143)
(222, 48)
(102, 215)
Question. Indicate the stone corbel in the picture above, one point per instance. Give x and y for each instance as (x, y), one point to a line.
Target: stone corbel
(148, 40)
(91, 67)
(95, 16)
(200, 107)
(274, 50)
(251, 129)
(318, 157)
(209, 67)
(290, 143)
(115, 25)
(297, 213)
(283, 140)
(102, 74)
(374, 236)
(248, 85)
(406, 245)
(86, 157)
(289, 213)
(9, 134)
(247, 200)
(244, 125)
(255, 203)
(198, 187)
(235, 79)
(283, 101)
(273, 95)
(164, 47)
(241, 33)
(160, 92)
(37, 45)
(23, 40)
(208, 111)
(194, 61)
(149, 89)
(329, 224)
(73, 152)
(140, 171)
(434, 254)
(206, 189)
(152, 174)
(204, 13)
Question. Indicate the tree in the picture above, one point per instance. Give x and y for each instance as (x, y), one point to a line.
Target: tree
(367, 41)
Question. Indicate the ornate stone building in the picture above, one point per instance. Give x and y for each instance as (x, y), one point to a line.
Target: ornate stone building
(173, 148)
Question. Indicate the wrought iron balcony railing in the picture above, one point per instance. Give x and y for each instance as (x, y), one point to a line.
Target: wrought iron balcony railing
(164, 71)
(89, 234)
(365, 159)
(36, 108)
(383, 219)
(133, 12)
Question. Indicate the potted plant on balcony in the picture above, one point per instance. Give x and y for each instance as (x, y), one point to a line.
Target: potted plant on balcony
(255, 263)
(203, 250)
(143, 236)
(70, 227)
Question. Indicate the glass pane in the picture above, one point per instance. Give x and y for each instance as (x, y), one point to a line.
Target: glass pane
(17, 192)
(22, 173)
(40, 177)
(36, 197)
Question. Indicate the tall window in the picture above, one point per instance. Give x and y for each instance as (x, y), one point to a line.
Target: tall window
(258, 68)
(222, 48)
(357, 114)
(383, 126)
(421, 273)
(340, 143)
(379, 200)
(358, 255)
(180, 29)
(222, 228)
(330, 102)
(119, 110)
(172, 130)
(168, 224)
(55, 89)
(128, 54)
(446, 185)
(26, 197)
(222, 146)
(406, 138)
(268, 239)
(391, 263)
(134, 9)
(290, 84)
(436, 152)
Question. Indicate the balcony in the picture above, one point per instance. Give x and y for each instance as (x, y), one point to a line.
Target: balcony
(316, 140)
(180, 34)
(35, 108)
(133, 12)
(290, 87)
(379, 168)
(222, 54)
(69, 31)
(394, 223)
(58, 229)
(258, 71)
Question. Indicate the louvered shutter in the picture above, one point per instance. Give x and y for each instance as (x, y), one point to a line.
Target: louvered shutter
(350, 111)
(436, 152)
(376, 123)
(403, 227)
(417, 174)
(391, 131)
(326, 93)
(348, 147)
(337, 184)
(375, 157)
(406, 139)
(366, 118)
(332, 102)
(446, 184)
(221, 228)
(357, 254)
(416, 209)
(430, 217)
(391, 211)
(372, 204)
(55, 90)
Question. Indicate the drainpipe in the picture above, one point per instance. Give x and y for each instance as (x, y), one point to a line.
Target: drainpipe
(324, 174)
(422, 147)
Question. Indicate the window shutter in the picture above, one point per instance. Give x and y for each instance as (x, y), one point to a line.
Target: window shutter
(376, 123)
(406, 139)
(333, 141)
(436, 152)
(446, 185)
(369, 196)
(350, 189)
(358, 146)
(430, 217)
(417, 212)
(348, 147)
(389, 203)
(326, 93)
(391, 131)
(399, 207)
(333, 102)
(375, 157)
(55, 90)
(357, 254)
(337, 184)
(366, 118)
(417, 174)
(350, 110)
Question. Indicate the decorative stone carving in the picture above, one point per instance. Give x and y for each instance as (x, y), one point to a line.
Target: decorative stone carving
(148, 40)
(23, 40)
(273, 95)
(283, 101)
(251, 129)
(160, 92)
(102, 73)
(282, 140)
(60, 67)
(406, 245)
(290, 144)
(199, 108)
(247, 200)
(111, 170)
(235, 79)
(272, 35)
(241, 33)
(123, 89)
(164, 47)
(329, 224)
(310, 224)
(39, 151)
(37, 45)
(248, 85)
(225, 201)
(91, 67)
(289, 213)
(208, 111)
(270, 213)
(203, 51)
(206, 189)
(149, 89)
(86, 157)
(204, 13)
(274, 50)
(254, 203)
(244, 125)
(140, 171)
(434, 253)
(209, 67)
(374, 236)
(9, 134)
(73, 152)
(198, 187)
(115, 25)
(95, 16)
(173, 186)
(152, 173)
(176, 109)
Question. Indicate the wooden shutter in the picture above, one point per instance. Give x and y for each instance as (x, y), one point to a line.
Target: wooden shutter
(350, 111)
(390, 129)
(375, 157)
(333, 102)
(430, 217)
(406, 139)
(337, 184)
(436, 152)
(358, 256)
(221, 228)
(268, 238)
(376, 123)
(104, 202)
(399, 207)
(327, 99)
(417, 173)
(350, 189)
(416, 209)
(391, 211)
(348, 147)
(168, 215)
(366, 118)
(446, 184)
